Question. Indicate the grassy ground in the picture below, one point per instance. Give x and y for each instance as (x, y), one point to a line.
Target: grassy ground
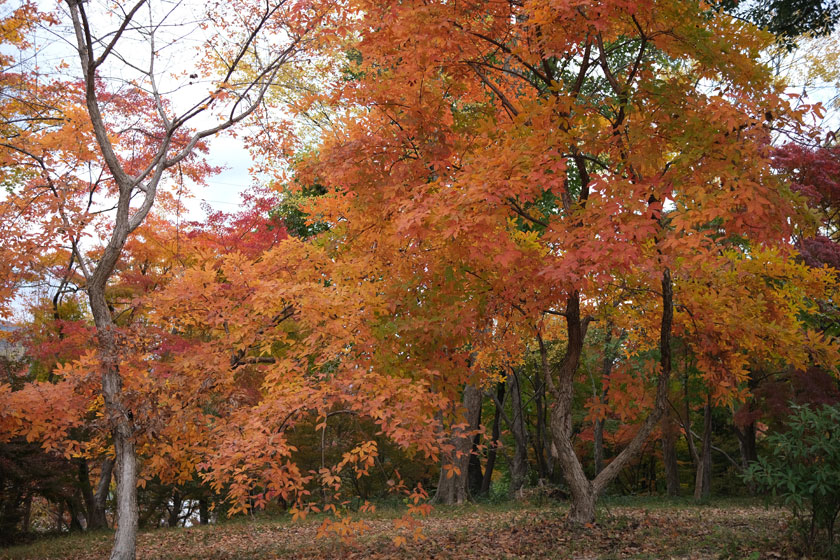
(625, 529)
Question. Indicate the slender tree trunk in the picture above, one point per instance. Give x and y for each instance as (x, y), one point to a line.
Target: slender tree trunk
(487, 480)
(598, 446)
(606, 369)
(474, 475)
(519, 464)
(703, 479)
(669, 455)
(543, 466)
(74, 507)
(203, 511)
(59, 517)
(98, 519)
(86, 490)
(746, 445)
(453, 481)
(27, 513)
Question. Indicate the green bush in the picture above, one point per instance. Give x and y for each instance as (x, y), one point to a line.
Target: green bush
(803, 472)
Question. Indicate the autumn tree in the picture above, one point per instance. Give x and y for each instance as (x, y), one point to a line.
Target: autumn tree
(551, 156)
(89, 154)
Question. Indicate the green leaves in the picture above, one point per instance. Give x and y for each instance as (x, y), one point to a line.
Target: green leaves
(803, 470)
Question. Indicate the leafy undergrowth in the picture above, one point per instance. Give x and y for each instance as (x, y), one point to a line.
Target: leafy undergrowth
(640, 530)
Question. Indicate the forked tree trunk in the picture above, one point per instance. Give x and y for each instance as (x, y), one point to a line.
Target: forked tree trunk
(95, 501)
(585, 492)
(175, 510)
(86, 490)
(98, 519)
(453, 481)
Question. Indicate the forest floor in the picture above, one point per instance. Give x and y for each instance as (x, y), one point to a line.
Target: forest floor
(626, 528)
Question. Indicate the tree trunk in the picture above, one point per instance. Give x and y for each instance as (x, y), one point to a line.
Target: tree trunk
(598, 446)
(203, 511)
(121, 420)
(86, 490)
(585, 493)
(606, 369)
(175, 510)
(746, 445)
(487, 480)
(98, 519)
(703, 480)
(59, 517)
(474, 475)
(519, 464)
(669, 455)
(538, 443)
(454, 480)
(125, 540)
(76, 515)
(27, 513)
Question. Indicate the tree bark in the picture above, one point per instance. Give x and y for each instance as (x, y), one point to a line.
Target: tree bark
(487, 480)
(474, 475)
(27, 513)
(606, 369)
(746, 445)
(453, 481)
(703, 479)
(175, 510)
(76, 515)
(544, 468)
(519, 464)
(98, 519)
(669, 455)
(86, 490)
(585, 492)
(203, 511)
(121, 419)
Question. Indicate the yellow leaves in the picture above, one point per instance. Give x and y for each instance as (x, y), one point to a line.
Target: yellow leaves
(528, 240)
(823, 350)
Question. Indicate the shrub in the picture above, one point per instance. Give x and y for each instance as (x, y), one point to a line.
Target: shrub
(803, 472)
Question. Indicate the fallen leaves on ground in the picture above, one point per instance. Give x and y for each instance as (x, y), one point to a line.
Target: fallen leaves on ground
(664, 531)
